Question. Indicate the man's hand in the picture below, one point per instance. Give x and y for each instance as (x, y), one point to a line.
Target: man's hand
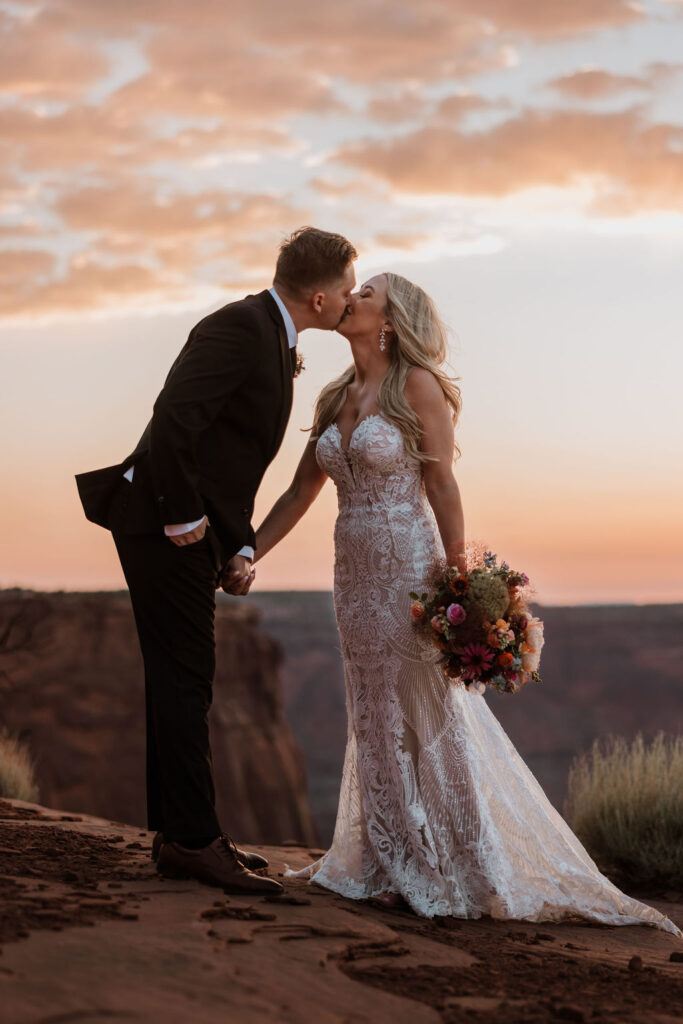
(192, 536)
(238, 576)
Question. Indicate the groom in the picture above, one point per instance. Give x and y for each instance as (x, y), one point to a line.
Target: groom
(179, 508)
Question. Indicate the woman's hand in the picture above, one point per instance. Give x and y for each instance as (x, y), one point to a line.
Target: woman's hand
(237, 576)
(459, 563)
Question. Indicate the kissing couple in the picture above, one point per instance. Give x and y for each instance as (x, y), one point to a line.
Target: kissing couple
(437, 810)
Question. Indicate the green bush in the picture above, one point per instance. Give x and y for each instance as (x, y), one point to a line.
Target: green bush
(16, 770)
(625, 804)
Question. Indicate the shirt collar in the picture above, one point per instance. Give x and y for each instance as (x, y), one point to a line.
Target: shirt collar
(292, 337)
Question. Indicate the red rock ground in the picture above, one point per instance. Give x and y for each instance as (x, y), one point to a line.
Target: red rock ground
(89, 932)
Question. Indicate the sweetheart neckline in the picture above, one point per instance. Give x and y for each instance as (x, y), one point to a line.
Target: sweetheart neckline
(370, 416)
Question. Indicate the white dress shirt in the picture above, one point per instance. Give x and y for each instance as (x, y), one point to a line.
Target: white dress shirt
(177, 528)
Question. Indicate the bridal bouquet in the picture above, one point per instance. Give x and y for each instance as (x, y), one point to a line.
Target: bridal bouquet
(480, 621)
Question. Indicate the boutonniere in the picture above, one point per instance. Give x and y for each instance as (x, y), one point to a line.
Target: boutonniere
(300, 365)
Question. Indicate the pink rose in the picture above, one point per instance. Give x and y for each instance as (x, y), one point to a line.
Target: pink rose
(455, 613)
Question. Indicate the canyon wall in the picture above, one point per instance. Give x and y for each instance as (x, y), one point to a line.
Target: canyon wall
(71, 686)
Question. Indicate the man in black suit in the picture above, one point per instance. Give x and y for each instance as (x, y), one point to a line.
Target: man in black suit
(179, 508)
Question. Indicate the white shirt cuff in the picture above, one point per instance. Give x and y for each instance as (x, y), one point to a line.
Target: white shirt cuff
(247, 552)
(177, 528)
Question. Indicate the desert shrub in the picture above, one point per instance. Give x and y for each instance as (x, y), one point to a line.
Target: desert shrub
(625, 804)
(16, 770)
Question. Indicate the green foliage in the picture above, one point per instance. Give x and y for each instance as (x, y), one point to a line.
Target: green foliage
(16, 770)
(491, 592)
(625, 804)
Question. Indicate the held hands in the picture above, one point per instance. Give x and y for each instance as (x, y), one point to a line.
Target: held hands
(238, 576)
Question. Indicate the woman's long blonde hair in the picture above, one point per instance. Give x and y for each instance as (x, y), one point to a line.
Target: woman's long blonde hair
(419, 339)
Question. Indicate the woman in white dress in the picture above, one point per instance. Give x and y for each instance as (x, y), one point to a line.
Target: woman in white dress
(437, 808)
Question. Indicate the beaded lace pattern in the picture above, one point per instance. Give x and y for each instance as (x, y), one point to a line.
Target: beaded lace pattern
(436, 803)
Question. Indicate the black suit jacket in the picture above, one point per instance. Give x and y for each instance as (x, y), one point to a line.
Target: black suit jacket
(216, 425)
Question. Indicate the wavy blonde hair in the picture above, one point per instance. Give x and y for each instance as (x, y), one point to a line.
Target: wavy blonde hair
(419, 340)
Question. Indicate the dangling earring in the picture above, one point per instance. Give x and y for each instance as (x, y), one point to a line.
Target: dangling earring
(382, 339)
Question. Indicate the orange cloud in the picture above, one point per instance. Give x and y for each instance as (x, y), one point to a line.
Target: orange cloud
(455, 108)
(131, 210)
(22, 273)
(410, 104)
(281, 50)
(538, 18)
(625, 157)
(41, 58)
(90, 153)
(197, 74)
(99, 138)
(594, 84)
(142, 245)
(400, 239)
(405, 105)
(86, 285)
(18, 264)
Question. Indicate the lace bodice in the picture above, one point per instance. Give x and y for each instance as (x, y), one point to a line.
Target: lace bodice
(435, 801)
(375, 470)
(386, 539)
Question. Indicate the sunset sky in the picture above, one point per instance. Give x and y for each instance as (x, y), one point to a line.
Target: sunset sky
(521, 160)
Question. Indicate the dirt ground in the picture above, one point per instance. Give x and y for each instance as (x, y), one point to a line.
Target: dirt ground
(89, 931)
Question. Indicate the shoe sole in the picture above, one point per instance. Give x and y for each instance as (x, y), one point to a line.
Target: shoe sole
(177, 874)
(257, 867)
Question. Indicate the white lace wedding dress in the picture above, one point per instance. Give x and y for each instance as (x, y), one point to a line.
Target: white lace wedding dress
(435, 804)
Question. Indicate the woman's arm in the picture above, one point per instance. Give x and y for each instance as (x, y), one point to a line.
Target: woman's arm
(424, 394)
(291, 505)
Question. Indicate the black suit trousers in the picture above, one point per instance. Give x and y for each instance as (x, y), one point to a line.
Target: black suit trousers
(173, 593)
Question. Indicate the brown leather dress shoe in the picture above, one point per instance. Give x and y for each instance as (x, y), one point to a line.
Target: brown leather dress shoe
(216, 864)
(251, 861)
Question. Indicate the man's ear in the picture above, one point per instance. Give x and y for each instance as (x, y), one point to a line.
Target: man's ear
(317, 301)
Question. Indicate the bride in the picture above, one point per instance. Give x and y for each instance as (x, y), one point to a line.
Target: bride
(437, 808)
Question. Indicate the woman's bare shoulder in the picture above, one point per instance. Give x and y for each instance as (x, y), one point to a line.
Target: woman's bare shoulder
(422, 388)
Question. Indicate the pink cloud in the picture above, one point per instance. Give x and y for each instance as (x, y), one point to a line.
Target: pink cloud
(595, 84)
(625, 156)
(228, 81)
(40, 58)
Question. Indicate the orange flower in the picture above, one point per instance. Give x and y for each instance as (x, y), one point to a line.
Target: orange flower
(492, 639)
(417, 611)
(505, 658)
(459, 585)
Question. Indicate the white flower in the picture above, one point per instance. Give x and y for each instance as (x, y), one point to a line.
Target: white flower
(531, 660)
(534, 634)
